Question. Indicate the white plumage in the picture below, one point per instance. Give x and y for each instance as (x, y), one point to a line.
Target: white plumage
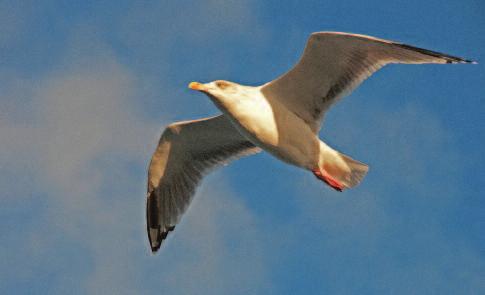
(282, 117)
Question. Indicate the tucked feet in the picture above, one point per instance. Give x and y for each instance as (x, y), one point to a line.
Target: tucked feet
(328, 179)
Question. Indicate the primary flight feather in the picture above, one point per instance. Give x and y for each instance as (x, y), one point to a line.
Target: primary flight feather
(282, 117)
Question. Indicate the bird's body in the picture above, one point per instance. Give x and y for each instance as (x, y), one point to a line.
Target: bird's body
(282, 117)
(272, 127)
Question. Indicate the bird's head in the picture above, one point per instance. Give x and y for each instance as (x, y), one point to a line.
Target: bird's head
(221, 91)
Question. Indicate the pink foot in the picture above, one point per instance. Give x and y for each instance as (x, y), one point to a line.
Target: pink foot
(328, 179)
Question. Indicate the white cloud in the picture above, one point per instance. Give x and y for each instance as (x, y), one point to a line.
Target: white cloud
(81, 127)
(76, 145)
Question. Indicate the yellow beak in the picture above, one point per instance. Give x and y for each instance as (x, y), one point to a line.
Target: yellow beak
(197, 86)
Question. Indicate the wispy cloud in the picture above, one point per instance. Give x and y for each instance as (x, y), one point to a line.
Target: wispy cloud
(74, 152)
(77, 135)
(86, 144)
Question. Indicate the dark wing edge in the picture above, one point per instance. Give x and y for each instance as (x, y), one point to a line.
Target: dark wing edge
(450, 59)
(446, 57)
(167, 201)
(342, 61)
(360, 65)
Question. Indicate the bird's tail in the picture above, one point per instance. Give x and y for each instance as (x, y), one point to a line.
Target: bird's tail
(338, 170)
(357, 171)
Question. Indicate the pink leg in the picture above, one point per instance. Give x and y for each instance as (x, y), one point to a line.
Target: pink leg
(328, 179)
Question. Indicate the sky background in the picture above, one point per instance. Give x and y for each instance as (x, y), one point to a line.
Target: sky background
(88, 86)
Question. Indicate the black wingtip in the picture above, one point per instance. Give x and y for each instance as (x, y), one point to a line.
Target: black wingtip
(155, 245)
(155, 248)
(161, 236)
(461, 61)
(450, 59)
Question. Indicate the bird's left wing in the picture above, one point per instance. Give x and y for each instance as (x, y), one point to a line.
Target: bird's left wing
(333, 64)
(186, 151)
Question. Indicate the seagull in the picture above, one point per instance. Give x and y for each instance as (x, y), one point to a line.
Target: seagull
(282, 117)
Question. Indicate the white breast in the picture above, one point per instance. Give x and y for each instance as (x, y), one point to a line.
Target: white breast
(272, 127)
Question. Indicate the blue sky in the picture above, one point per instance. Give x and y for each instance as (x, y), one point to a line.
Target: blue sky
(88, 86)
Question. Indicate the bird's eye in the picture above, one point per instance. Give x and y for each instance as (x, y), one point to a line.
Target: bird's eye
(222, 84)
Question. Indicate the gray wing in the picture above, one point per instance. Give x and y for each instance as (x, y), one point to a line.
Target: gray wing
(186, 151)
(333, 64)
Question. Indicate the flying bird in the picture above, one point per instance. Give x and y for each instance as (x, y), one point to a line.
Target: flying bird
(282, 117)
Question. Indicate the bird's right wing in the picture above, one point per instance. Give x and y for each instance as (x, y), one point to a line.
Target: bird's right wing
(186, 151)
(333, 64)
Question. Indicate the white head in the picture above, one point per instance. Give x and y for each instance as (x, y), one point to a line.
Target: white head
(221, 92)
(214, 87)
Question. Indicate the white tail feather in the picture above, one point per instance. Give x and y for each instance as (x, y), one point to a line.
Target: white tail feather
(342, 168)
(357, 171)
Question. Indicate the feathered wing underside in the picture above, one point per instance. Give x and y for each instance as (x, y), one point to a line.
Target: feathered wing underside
(186, 151)
(333, 64)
